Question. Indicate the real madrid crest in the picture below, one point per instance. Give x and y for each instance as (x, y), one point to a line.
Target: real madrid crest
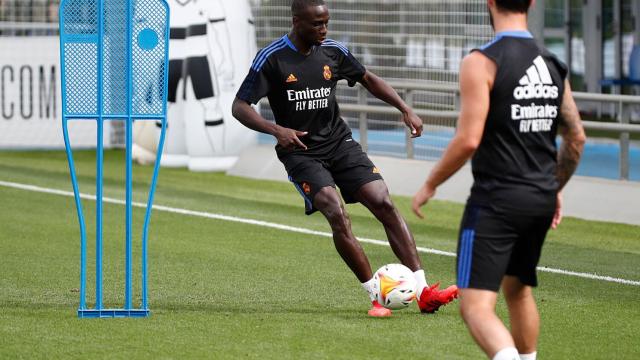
(327, 72)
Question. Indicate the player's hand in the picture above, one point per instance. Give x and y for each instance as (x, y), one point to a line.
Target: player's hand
(413, 122)
(557, 217)
(290, 139)
(423, 196)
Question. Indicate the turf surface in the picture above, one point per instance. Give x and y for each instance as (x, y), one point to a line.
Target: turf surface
(226, 290)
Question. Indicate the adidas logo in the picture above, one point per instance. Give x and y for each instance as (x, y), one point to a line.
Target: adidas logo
(537, 83)
(292, 78)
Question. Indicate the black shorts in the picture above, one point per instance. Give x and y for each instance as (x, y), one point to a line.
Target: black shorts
(347, 166)
(492, 244)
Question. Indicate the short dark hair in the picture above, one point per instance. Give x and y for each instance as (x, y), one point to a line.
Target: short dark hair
(297, 6)
(520, 6)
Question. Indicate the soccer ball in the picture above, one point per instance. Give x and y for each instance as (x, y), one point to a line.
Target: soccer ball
(394, 286)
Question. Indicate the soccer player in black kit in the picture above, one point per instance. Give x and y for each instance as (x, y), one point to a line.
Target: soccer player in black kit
(514, 99)
(298, 73)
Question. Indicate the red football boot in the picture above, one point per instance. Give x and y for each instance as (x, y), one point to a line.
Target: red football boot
(432, 297)
(378, 310)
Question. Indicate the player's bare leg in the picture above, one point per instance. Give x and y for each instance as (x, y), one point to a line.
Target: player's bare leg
(523, 314)
(375, 197)
(328, 202)
(477, 308)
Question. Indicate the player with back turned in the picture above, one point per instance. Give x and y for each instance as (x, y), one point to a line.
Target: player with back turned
(515, 98)
(298, 73)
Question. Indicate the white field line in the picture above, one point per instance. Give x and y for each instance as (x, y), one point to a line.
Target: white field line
(290, 228)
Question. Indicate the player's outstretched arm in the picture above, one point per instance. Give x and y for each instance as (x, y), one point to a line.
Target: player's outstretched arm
(287, 138)
(573, 139)
(477, 73)
(383, 91)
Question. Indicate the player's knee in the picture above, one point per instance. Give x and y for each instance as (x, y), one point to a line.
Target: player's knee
(514, 290)
(473, 309)
(519, 294)
(326, 199)
(337, 216)
(340, 224)
(386, 204)
(331, 207)
(382, 204)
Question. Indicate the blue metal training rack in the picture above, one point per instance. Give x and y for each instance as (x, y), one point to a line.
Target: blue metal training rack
(114, 59)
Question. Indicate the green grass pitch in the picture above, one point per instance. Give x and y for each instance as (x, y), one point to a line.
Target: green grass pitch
(226, 290)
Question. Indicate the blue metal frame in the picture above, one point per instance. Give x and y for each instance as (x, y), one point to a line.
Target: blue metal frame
(128, 310)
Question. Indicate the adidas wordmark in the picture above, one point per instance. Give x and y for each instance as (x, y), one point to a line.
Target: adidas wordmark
(537, 83)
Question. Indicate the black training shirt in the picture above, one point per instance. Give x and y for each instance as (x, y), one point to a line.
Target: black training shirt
(301, 89)
(514, 168)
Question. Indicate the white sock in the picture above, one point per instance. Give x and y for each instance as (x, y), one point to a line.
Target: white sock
(421, 281)
(370, 287)
(531, 356)
(509, 353)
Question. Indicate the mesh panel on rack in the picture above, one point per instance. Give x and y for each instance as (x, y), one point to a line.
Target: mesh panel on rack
(115, 50)
(148, 65)
(82, 58)
(81, 63)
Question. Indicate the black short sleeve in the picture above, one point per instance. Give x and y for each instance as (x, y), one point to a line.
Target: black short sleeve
(349, 68)
(255, 86)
